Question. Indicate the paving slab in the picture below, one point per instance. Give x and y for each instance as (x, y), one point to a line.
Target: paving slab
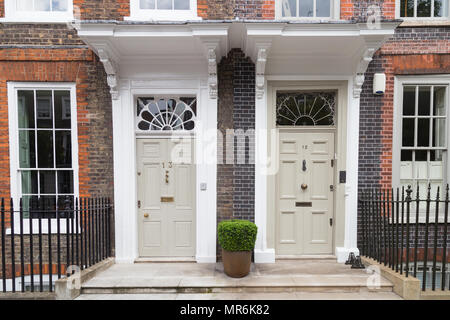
(286, 276)
(247, 296)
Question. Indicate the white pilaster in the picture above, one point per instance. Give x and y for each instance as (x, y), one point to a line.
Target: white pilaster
(351, 186)
(206, 151)
(124, 184)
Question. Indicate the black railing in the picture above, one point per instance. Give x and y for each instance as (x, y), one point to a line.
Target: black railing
(41, 238)
(395, 229)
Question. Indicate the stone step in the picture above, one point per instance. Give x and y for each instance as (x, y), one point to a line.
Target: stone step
(326, 284)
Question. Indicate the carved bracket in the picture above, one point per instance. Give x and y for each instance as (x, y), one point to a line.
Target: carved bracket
(111, 71)
(260, 70)
(358, 80)
(212, 72)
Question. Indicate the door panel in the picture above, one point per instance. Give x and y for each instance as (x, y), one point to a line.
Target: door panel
(304, 214)
(166, 194)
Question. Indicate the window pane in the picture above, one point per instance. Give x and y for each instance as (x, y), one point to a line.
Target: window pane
(49, 204)
(63, 148)
(323, 8)
(181, 4)
(24, 5)
(289, 8)
(65, 181)
(438, 132)
(147, 4)
(306, 8)
(421, 165)
(47, 182)
(62, 109)
(42, 5)
(44, 113)
(436, 155)
(409, 98)
(45, 148)
(25, 106)
(439, 101)
(423, 132)
(408, 133)
(27, 150)
(424, 101)
(406, 8)
(406, 155)
(424, 8)
(29, 182)
(441, 8)
(164, 4)
(59, 5)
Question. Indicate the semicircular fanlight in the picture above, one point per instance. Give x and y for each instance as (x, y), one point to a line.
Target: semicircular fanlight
(305, 109)
(166, 114)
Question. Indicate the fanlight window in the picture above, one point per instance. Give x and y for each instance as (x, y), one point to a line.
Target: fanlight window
(166, 114)
(305, 109)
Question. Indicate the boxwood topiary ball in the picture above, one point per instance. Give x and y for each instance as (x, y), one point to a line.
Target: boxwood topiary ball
(237, 235)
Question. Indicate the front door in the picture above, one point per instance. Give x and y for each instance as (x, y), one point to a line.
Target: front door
(305, 193)
(166, 197)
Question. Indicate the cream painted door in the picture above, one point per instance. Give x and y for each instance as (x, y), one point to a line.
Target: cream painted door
(303, 217)
(166, 197)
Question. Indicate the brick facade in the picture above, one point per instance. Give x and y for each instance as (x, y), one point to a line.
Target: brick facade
(236, 110)
(411, 51)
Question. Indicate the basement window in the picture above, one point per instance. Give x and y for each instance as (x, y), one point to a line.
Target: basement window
(56, 11)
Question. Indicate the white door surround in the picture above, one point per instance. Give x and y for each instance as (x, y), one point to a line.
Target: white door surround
(266, 172)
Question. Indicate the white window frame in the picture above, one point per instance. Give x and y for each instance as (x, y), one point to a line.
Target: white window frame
(15, 181)
(335, 13)
(137, 14)
(13, 15)
(425, 80)
(424, 19)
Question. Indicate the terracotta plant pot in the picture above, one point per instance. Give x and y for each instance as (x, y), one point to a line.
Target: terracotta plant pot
(236, 264)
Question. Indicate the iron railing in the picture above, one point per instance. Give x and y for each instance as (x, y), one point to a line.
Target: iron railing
(395, 229)
(43, 239)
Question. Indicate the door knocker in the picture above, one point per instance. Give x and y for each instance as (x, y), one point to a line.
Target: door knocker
(304, 165)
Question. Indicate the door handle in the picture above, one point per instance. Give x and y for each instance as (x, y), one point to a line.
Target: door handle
(304, 165)
(145, 215)
(304, 186)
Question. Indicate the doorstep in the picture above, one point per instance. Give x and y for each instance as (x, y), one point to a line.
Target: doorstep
(282, 276)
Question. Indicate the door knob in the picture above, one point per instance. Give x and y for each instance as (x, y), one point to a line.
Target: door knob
(304, 186)
(145, 215)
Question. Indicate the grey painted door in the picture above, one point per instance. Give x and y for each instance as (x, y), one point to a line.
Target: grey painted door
(166, 197)
(305, 196)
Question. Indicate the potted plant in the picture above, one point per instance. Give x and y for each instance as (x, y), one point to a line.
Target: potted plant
(237, 239)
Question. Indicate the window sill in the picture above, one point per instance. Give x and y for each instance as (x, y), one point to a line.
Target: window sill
(23, 20)
(162, 16)
(424, 22)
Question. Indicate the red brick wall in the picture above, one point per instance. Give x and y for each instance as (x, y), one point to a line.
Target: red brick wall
(357, 9)
(2, 8)
(78, 65)
(103, 9)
